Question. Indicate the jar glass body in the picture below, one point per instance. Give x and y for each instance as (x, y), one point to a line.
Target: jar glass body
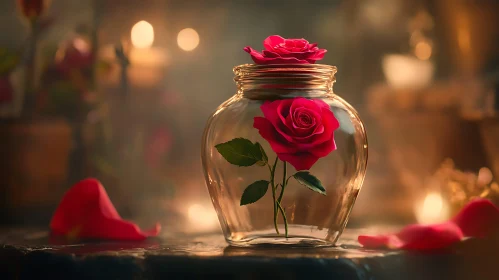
(313, 219)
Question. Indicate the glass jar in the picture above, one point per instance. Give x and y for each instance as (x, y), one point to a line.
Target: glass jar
(284, 158)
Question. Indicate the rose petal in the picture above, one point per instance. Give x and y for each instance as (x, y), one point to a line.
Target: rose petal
(272, 41)
(427, 237)
(324, 149)
(416, 237)
(279, 50)
(305, 118)
(270, 54)
(285, 60)
(300, 161)
(321, 103)
(478, 218)
(330, 123)
(313, 109)
(273, 110)
(275, 139)
(316, 56)
(86, 211)
(259, 58)
(379, 241)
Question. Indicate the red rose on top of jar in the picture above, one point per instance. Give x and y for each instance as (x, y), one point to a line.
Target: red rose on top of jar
(279, 50)
(299, 130)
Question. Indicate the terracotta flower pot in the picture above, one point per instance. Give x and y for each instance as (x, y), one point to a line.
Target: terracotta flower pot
(34, 167)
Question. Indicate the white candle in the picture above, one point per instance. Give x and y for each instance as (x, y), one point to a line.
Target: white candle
(147, 64)
(433, 209)
(407, 72)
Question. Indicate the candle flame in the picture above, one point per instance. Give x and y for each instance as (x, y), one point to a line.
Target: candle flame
(432, 210)
(142, 34)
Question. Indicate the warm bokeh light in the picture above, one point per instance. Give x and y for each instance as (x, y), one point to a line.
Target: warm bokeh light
(432, 210)
(407, 72)
(142, 34)
(202, 218)
(188, 39)
(423, 50)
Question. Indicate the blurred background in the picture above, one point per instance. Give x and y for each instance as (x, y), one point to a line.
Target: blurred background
(121, 90)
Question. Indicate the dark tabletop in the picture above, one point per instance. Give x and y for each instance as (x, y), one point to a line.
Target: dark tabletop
(34, 254)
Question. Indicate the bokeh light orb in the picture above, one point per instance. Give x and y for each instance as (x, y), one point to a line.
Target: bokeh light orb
(188, 39)
(142, 34)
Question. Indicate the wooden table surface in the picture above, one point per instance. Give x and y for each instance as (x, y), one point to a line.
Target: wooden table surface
(34, 254)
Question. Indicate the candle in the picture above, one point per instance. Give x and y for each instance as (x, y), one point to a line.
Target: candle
(433, 209)
(147, 63)
(202, 218)
(407, 72)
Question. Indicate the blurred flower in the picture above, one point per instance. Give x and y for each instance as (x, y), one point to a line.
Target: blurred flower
(6, 90)
(74, 54)
(158, 145)
(32, 9)
(286, 51)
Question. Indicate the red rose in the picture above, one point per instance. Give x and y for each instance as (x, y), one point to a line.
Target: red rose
(286, 51)
(299, 130)
(32, 8)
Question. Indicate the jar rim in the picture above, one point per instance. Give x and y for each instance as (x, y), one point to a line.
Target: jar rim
(286, 68)
(263, 80)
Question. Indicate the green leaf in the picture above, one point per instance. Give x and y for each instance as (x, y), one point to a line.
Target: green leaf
(310, 181)
(240, 151)
(264, 156)
(254, 192)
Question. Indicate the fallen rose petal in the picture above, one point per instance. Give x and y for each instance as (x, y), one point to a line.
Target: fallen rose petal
(379, 241)
(478, 218)
(416, 237)
(86, 211)
(428, 237)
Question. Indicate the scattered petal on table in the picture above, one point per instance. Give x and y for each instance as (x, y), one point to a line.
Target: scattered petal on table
(86, 211)
(416, 237)
(478, 218)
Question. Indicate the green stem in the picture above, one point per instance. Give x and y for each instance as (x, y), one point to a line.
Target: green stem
(283, 186)
(283, 213)
(284, 181)
(272, 181)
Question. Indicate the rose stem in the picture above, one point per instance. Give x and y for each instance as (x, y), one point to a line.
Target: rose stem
(284, 218)
(283, 186)
(272, 175)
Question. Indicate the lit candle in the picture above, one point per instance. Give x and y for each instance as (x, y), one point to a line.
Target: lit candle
(408, 72)
(433, 209)
(202, 218)
(147, 63)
